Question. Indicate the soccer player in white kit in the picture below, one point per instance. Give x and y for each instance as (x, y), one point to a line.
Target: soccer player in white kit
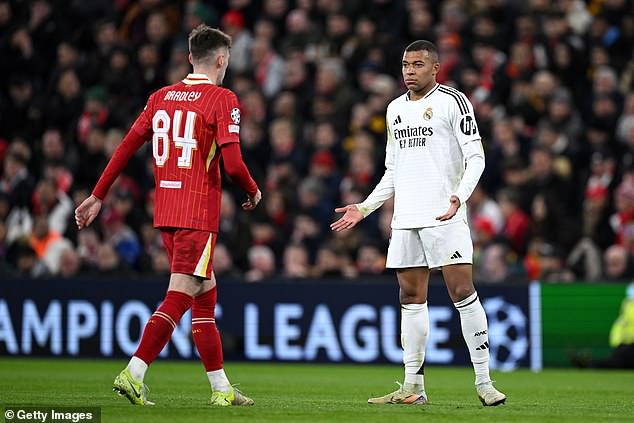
(434, 158)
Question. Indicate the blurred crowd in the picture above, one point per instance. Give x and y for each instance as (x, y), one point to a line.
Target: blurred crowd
(552, 84)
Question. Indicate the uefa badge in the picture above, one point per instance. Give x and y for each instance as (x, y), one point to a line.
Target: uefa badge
(428, 114)
(235, 116)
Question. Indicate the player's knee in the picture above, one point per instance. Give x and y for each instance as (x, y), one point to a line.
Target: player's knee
(412, 297)
(460, 292)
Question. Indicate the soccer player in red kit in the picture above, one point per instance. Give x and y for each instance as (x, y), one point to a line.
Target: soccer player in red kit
(191, 124)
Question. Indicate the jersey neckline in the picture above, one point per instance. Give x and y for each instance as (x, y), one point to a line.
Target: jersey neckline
(197, 78)
(407, 94)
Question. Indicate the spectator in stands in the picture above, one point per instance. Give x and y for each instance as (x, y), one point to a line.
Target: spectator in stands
(16, 181)
(120, 236)
(482, 206)
(224, 267)
(268, 67)
(552, 263)
(617, 264)
(516, 221)
(506, 146)
(295, 262)
(307, 231)
(54, 149)
(497, 265)
(370, 260)
(160, 263)
(88, 243)
(548, 181)
(332, 263)
(95, 115)
(48, 244)
(151, 67)
(261, 264)
(233, 24)
(48, 200)
(23, 260)
(123, 96)
(555, 75)
(109, 263)
(69, 264)
(300, 32)
(66, 102)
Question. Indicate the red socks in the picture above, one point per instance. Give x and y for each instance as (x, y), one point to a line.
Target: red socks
(205, 332)
(161, 324)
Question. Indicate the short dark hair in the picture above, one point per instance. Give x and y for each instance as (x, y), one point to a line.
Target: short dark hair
(204, 40)
(420, 45)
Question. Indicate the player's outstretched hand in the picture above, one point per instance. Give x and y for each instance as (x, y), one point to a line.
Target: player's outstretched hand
(87, 211)
(351, 216)
(454, 204)
(252, 201)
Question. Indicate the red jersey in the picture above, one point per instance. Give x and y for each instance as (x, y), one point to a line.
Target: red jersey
(187, 123)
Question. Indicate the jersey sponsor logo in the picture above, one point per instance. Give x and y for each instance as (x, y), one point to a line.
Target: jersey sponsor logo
(468, 125)
(235, 115)
(413, 142)
(234, 129)
(171, 184)
(417, 131)
(182, 96)
(397, 120)
(413, 136)
(428, 114)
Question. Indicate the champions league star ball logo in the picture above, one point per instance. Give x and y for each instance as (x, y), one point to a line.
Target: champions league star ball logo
(427, 115)
(235, 116)
(508, 341)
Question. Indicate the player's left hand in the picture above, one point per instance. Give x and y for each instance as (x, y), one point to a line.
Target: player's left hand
(87, 211)
(351, 217)
(252, 201)
(454, 205)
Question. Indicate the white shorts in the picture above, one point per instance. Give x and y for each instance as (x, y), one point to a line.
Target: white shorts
(431, 247)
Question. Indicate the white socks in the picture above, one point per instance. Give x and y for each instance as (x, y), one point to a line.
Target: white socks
(137, 368)
(217, 378)
(474, 329)
(414, 332)
(218, 381)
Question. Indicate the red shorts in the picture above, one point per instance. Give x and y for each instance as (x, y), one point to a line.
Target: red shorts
(189, 251)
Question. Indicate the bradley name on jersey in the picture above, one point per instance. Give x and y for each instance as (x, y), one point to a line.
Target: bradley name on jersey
(182, 95)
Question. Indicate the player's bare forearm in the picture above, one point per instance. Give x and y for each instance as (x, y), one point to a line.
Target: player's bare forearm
(454, 204)
(87, 211)
(351, 216)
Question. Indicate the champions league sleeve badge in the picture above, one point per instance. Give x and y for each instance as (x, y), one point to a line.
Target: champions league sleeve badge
(235, 116)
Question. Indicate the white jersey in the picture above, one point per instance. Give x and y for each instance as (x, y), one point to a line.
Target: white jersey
(433, 151)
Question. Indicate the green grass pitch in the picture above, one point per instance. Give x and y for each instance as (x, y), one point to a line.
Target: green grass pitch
(318, 393)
